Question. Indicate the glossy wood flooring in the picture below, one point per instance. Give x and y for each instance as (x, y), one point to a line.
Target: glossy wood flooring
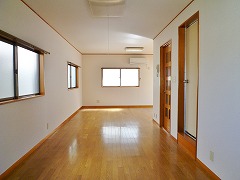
(110, 144)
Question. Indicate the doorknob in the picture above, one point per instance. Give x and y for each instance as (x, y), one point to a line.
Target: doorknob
(186, 81)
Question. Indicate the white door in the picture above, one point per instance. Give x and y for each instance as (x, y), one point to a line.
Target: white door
(191, 79)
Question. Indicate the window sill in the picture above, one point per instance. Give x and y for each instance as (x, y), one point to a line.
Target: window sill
(120, 86)
(72, 88)
(20, 99)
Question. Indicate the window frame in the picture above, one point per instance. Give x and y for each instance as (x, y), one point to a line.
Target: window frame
(15, 42)
(139, 78)
(76, 75)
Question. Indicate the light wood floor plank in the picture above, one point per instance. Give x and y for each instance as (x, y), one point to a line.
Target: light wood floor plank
(110, 144)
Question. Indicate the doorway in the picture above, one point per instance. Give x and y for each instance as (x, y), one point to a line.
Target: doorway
(165, 86)
(188, 83)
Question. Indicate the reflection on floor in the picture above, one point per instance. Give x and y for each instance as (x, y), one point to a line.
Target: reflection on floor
(110, 144)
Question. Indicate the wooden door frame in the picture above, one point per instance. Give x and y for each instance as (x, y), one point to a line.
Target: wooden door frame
(162, 82)
(184, 139)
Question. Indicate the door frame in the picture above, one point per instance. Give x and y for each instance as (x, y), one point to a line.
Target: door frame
(183, 139)
(162, 83)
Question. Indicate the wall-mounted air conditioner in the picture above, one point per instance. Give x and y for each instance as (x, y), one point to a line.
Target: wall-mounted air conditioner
(138, 61)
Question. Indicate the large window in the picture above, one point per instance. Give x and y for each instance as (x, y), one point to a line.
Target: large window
(72, 76)
(21, 69)
(120, 77)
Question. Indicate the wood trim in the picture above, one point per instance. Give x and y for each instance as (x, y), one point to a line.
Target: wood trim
(184, 139)
(19, 42)
(72, 64)
(197, 84)
(113, 54)
(170, 135)
(50, 26)
(210, 172)
(20, 99)
(162, 85)
(188, 143)
(173, 138)
(181, 62)
(41, 75)
(190, 20)
(154, 121)
(18, 162)
(172, 20)
(130, 106)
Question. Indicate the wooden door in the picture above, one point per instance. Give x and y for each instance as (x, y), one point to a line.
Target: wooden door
(167, 87)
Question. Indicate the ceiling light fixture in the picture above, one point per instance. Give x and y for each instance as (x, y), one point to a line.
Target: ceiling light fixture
(134, 49)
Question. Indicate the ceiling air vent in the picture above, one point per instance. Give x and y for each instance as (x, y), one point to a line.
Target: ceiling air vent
(107, 8)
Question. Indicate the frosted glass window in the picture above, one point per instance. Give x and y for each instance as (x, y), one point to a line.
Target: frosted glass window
(28, 72)
(119, 77)
(21, 70)
(6, 70)
(110, 77)
(129, 77)
(73, 77)
(69, 76)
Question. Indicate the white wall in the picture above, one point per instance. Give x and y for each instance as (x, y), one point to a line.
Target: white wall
(113, 96)
(23, 124)
(219, 87)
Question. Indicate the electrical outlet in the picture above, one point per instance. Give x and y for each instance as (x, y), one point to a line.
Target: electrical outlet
(47, 125)
(98, 101)
(211, 157)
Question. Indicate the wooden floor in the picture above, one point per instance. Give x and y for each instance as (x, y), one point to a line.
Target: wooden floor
(110, 144)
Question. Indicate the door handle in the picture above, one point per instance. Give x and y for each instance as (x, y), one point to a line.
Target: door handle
(186, 81)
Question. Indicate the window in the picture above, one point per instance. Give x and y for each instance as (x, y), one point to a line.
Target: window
(28, 72)
(120, 77)
(21, 69)
(72, 76)
(6, 71)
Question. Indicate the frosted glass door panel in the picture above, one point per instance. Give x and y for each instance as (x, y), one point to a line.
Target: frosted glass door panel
(129, 77)
(28, 72)
(6, 70)
(73, 77)
(192, 77)
(111, 77)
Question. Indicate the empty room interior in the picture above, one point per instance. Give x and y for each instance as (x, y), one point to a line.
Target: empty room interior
(119, 89)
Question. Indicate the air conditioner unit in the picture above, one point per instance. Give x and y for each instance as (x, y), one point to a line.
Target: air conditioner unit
(138, 61)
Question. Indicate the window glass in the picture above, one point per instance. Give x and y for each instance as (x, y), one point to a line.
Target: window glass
(129, 77)
(69, 76)
(28, 72)
(6, 70)
(73, 77)
(110, 77)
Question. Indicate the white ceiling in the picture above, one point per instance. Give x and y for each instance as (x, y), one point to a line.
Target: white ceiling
(141, 21)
